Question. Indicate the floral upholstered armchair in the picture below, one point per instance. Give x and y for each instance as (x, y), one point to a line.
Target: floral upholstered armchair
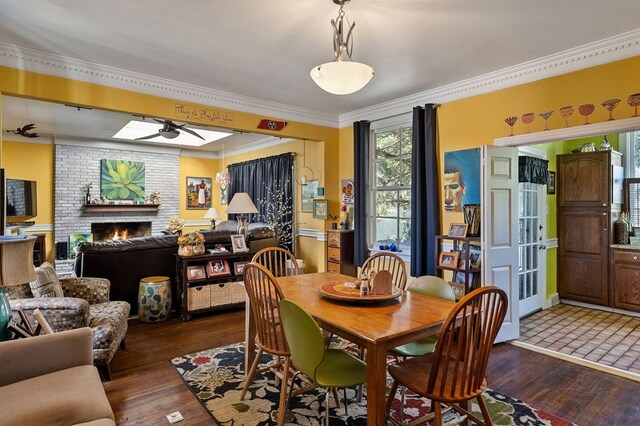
(73, 303)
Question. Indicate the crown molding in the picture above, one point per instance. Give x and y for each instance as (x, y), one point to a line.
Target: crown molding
(60, 66)
(601, 52)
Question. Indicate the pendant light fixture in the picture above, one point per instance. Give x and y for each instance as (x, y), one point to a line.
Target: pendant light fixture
(223, 177)
(342, 76)
(304, 172)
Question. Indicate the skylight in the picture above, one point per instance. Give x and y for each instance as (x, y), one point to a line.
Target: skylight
(139, 129)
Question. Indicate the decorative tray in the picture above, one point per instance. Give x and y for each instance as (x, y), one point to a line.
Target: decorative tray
(338, 291)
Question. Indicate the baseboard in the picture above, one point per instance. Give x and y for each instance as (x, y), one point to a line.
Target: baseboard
(579, 361)
(600, 307)
(552, 301)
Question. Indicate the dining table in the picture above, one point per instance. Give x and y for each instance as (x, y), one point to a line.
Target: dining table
(377, 326)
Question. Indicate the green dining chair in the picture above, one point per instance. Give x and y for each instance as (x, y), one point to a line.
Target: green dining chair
(427, 285)
(329, 368)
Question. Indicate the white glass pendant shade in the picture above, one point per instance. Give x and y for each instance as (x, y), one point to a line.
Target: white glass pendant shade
(342, 77)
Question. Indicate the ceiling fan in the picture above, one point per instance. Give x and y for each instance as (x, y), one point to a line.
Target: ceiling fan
(170, 130)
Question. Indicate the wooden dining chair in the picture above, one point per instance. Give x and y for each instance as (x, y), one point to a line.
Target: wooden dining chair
(264, 298)
(275, 259)
(388, 261)
(454, 373)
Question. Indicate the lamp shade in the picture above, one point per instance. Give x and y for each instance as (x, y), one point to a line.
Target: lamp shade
(241, 203)
(342, 77)
(212, 213)
(16, 260)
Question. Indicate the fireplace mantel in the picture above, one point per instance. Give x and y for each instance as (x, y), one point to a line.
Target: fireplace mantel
(120, 208)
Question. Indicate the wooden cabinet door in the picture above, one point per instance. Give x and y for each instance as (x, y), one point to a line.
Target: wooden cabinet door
(626, 280)
(583, 253)
(584, 179)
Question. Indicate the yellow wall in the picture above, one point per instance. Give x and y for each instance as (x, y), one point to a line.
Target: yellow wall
(33, 161)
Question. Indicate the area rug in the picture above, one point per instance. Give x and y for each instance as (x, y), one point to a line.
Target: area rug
(216, 376)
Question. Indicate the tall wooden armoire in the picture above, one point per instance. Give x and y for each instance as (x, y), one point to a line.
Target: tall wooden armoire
(585, 220)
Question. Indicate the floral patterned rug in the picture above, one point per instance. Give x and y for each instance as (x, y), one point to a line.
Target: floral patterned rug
(216, 376)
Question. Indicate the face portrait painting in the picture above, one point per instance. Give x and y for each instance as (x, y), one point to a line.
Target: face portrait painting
(461, 180)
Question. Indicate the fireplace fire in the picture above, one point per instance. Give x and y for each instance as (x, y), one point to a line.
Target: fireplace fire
(120, 230)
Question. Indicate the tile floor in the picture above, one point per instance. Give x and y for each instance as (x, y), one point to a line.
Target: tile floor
(603, 337)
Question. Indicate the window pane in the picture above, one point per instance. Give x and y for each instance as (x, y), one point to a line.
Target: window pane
(405, 203)
(406, 141)
(406, 172)
(388, 173)
(386, 230)
(405, 234)
(387, 144)
(387, 203)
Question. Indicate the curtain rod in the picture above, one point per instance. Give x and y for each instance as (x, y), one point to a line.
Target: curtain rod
(292, 154)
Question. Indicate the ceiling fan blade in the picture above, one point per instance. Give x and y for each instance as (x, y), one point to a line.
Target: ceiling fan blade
(160, 121)
(184, 129)
(148, 137)
(174, 125)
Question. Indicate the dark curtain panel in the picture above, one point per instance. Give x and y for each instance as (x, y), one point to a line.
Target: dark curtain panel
(269, 183)
(531, 169)
(425, 220)
(361, 131)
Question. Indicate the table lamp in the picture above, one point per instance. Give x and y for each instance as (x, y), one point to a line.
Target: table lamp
(212, 214)
(16, 267)
(241, 204)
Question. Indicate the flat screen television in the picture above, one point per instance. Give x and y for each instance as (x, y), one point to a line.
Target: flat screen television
(21, 198)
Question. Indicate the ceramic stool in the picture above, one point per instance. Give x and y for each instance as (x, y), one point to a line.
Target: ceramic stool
(154, 299)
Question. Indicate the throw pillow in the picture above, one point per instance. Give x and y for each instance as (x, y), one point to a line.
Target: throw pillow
(46, 283)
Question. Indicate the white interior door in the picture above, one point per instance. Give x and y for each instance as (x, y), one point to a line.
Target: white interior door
(532, 253)
(500, 230)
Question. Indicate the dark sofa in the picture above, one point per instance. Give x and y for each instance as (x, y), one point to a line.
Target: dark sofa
(125, 262)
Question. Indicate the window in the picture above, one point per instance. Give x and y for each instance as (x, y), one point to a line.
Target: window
(391, 187)
(632, 170)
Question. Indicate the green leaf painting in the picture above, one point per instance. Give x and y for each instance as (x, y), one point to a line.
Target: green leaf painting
(122, 180)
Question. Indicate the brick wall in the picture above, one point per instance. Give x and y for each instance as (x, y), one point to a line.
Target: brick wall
(76, 166)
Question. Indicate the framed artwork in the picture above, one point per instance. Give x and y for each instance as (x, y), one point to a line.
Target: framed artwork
(458, 278)
(458, 290)
(307, 193)
(461, 179)
(458, 230)
(75, 240)
(238, 267)
(238, 244)
(474, 255)
(196, 272)
(320, 209)
(217, 268)
(448, 259)
(551, 182)
(114, 174)
(198, 193)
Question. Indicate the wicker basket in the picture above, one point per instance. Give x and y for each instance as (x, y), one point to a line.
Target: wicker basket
(199, 297)
(227, 294)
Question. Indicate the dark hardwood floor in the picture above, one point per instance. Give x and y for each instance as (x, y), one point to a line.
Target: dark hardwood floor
(145, 386)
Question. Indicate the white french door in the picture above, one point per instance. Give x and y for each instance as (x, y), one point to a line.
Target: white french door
(500, 230)
(531, 247)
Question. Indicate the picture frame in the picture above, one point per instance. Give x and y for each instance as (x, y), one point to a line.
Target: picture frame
(196, 272)
(238, 244)
(458, 290)
(217, 268)
(238, 267)
(474, 256)
(448, 259)
(458, 230)
(551, 182)
(320, 209)
(307, 194)
(198, 192)
(458, 278)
